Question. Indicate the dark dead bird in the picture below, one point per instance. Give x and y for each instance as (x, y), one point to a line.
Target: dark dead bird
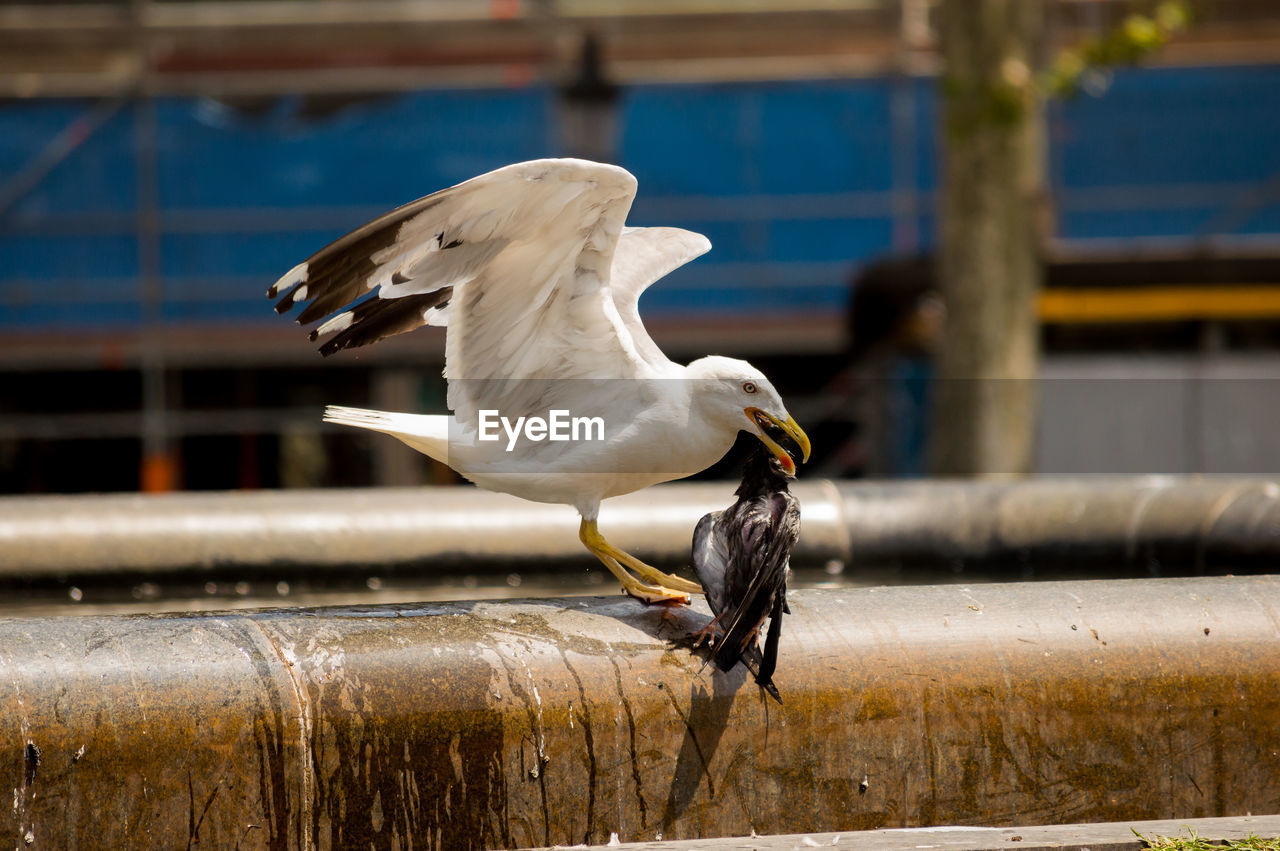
(742, 557)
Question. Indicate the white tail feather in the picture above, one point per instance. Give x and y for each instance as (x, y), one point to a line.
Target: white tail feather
(427, 433)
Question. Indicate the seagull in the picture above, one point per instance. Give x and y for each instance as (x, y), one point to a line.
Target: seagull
(742, 557)
(536, 279)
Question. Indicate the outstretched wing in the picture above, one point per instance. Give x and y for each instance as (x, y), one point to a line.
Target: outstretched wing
(347, 278)
(645, 255)
(518, 258)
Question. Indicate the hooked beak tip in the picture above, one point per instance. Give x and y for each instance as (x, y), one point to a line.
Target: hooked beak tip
(775, 433)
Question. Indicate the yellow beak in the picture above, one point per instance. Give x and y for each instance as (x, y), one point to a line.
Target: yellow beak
(766, 423)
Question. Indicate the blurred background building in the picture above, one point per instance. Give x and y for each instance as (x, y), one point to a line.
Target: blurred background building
(162, 163)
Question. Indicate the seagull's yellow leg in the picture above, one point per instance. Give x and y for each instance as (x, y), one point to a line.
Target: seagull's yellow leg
(599, 545)
(650, 572)
(606, 552)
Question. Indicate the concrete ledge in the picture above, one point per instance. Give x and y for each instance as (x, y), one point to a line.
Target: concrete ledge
(1113, 836)
(562, 721)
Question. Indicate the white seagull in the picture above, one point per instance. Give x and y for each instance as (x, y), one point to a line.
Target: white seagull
(537, 280)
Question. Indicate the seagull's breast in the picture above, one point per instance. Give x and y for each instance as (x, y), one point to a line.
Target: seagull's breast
(554, 459)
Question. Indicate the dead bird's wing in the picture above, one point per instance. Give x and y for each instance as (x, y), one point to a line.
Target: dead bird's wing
(711, 559)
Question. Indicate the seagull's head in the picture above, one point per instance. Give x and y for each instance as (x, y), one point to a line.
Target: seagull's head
(734, 394)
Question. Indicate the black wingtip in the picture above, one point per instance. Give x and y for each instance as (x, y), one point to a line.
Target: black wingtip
(288, 300)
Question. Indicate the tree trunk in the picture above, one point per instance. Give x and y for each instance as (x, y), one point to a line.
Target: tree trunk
(990, 218)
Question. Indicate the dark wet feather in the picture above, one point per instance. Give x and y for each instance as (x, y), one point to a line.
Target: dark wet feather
(769, 658)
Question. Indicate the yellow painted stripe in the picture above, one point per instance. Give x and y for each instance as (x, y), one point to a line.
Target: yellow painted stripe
(1160, 304)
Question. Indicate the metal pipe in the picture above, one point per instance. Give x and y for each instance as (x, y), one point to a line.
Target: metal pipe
(1147, 525)
(1155, 525)
(437, 527)
(563, 721)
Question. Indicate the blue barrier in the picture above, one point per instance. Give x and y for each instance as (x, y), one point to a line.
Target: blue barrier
(796, 183)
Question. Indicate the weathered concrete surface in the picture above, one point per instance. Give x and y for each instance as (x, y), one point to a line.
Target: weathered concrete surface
(1110, 836)
(535, 723)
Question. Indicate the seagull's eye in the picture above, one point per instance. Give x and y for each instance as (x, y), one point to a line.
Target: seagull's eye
(750, 387)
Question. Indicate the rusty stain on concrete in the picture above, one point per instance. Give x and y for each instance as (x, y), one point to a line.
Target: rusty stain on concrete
(532, 723)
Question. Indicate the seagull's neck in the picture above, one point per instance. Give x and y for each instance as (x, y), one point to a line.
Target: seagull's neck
(703, 438)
